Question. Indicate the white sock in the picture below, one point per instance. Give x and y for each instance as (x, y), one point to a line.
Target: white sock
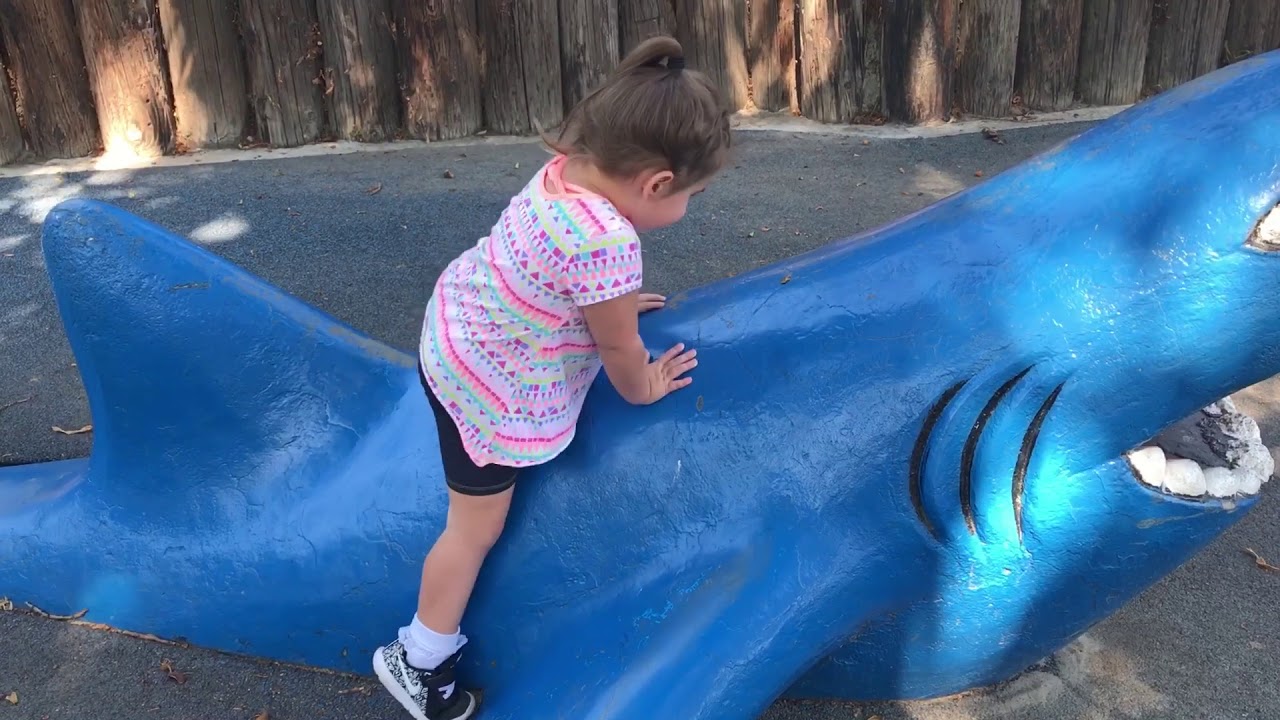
(427, 648)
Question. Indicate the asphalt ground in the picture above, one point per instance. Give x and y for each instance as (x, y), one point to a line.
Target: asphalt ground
(363, 237)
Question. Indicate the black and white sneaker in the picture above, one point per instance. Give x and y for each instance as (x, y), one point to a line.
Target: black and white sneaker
(423, 692)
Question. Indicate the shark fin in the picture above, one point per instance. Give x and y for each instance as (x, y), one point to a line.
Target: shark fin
(196, 370)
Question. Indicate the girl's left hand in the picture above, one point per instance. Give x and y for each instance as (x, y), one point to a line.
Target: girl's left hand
(650, 301)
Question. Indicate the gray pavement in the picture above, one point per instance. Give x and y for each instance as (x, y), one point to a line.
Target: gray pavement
(363, 237)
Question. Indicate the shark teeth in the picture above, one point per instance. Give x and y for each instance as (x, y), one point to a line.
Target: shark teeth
(1267, 235)
(1217, 452)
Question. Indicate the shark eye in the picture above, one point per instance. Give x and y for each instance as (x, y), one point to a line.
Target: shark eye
(1266, 236)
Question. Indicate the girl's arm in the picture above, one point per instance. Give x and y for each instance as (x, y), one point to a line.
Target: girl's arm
(615, 326)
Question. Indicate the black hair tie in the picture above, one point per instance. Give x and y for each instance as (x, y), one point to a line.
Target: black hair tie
(673, 63)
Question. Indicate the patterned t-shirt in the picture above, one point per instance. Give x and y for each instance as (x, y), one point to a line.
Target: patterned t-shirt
(504, 344)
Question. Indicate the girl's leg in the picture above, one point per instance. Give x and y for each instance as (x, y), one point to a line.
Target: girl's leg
(473, 525)
(418, 669)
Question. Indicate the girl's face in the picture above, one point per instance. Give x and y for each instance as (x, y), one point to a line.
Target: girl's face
(651, 204)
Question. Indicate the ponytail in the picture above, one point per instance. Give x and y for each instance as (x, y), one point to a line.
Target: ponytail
(651, 113)
(654, 53)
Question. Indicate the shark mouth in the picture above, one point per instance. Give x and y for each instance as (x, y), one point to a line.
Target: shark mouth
(1216, 452)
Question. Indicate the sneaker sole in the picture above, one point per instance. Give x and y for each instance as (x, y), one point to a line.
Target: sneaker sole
(402, 696)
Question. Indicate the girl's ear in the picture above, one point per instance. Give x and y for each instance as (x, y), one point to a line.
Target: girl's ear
(657, 183)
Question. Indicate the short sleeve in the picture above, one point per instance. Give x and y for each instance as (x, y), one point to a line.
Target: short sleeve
(605, 266)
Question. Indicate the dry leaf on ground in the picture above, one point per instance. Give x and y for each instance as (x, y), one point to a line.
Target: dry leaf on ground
(15, 403)
(81, 431)
(174, 674)
(359, 689)
(12, 698)
(1260, 562)
(374, 189)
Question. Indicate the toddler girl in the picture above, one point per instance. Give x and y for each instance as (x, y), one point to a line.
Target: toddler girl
(521, 323)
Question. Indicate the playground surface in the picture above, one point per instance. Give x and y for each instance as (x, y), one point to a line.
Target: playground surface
(363, 237)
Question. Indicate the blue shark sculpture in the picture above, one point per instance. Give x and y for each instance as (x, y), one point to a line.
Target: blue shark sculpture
(911, 463)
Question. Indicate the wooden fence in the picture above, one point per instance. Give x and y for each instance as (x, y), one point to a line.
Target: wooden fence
(167, 76)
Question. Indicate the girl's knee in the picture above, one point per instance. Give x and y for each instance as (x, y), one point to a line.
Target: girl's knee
(478, 522)
(481, 533)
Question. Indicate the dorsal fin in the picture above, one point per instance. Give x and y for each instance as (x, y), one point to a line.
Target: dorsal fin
(198, 371)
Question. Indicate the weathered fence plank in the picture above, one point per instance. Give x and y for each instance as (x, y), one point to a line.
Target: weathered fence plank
(206, 70)
(771, 46)
(840, 69)
(1049, 53)
(1186, 41)
(986, 56)
(440, 69)
(360, 68)
(714, 36)
(12, 146)
(919, 52)
(123, 51)
(871, 33)
(1113, 51)
(589, 49)
(48, 69)
(521, 51)
(1253, 27)
(283, 51)
(640, 20)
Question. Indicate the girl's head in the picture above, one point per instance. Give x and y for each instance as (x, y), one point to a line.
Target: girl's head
(656, 131)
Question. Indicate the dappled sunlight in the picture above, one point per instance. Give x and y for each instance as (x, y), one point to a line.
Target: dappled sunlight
(38, 196)
(922, 77)
(27, 200)
(109, 177)
(20, 312)
(121, 153)
(821, 44)
(163, 201)
(227, 227)
(1086, 678)
(10, 243)
(934, 182)
(31, 197)
(1107, 679)
(12, 320)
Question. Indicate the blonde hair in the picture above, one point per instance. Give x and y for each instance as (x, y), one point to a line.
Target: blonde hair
(652, 113)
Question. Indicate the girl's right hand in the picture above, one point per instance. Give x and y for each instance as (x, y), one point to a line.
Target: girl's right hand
(664, 373)
(638, 378)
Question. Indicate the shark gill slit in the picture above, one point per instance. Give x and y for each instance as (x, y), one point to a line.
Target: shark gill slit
(1024, 455)
(920, 453)
(971, 448)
